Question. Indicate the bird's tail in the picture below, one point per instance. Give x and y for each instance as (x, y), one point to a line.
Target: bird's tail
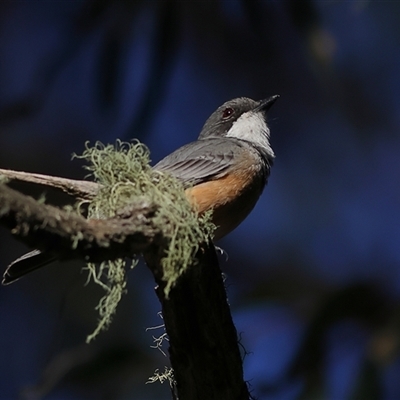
(26, 264)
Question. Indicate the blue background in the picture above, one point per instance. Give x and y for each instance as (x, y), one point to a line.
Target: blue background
(313, 273)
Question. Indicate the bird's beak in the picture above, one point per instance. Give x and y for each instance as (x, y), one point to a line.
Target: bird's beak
(265, 105)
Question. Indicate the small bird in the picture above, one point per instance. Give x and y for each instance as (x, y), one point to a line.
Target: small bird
(225, 170)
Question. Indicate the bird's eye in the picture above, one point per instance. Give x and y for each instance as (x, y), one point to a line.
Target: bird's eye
(227, 112)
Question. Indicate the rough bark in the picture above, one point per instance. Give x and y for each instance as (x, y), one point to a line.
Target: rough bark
(203, 343)
(69, 235)
(204, 351)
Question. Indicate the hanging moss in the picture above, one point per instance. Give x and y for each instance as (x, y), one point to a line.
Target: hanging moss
(126, 177)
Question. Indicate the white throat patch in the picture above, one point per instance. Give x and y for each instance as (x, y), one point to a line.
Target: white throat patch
(251, 126)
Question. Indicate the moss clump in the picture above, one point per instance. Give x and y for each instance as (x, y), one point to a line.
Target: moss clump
(126, 177)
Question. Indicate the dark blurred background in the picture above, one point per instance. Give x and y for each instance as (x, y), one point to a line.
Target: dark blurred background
(313, 273)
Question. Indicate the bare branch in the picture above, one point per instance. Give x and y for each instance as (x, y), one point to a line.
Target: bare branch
(84, 190)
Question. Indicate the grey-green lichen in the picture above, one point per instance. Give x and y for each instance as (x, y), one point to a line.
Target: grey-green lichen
(3, 179)
(167, 375)
(126, 177)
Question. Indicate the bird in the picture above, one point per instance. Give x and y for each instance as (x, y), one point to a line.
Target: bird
(225, 170)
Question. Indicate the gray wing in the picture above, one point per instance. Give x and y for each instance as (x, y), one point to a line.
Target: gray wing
(201, 160)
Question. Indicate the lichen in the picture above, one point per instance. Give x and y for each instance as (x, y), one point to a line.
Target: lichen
(167, 375)
(125, 175)
(4, 179)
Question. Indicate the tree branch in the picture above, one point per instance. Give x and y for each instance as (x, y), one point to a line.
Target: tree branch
(84, 190)
(204, 351)
(203, 343)
(69, 235)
